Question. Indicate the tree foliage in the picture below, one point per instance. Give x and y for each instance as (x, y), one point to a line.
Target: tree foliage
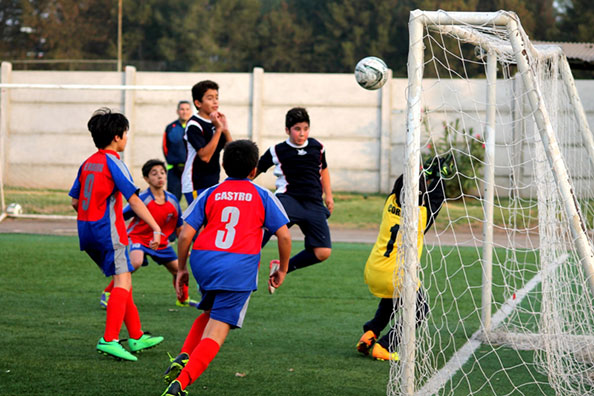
(237, 35)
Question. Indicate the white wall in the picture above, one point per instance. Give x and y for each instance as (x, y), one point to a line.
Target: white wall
(44, 134)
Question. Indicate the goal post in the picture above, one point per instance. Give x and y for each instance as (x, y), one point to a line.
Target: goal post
(534, 174)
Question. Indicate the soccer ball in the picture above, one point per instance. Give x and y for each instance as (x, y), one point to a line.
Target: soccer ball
(14, 209)
(371, 73)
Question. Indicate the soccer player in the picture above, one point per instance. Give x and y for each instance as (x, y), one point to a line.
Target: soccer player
(174, 148)
(166, 211)
(206, 134)
(302, 178)
(97, 198)
(225, 258)
(382, 264)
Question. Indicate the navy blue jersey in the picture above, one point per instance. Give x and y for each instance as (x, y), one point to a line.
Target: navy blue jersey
(297, 168)
(197, 173)
(174, 145)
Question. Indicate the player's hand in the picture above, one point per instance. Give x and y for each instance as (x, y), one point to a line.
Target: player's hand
(330, 204)
(154, 244)
(277, 278)
(219, 120)
(181, 279)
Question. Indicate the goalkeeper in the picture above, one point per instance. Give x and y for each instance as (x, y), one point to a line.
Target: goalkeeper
(382, 264)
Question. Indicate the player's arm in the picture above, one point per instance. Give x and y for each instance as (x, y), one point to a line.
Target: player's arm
(327, 190)
(205, 153)
(74, 203)
(264, 163)
(183, 249)
(284, 253)
(142, 211)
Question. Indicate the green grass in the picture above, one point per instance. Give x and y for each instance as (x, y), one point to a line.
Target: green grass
(300, 341)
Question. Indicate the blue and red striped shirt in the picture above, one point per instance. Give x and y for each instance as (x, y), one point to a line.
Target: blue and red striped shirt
(99, 185)
(226, 254)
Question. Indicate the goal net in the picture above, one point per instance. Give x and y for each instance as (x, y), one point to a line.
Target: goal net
(508, 269)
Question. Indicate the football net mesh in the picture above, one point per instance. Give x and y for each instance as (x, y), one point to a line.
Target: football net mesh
(539, 336)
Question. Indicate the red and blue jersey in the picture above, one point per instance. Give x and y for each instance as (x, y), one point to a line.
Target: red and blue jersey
(99, 185)
(167, 215)
(226, 254)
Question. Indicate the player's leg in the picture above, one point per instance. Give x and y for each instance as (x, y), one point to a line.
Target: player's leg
(227, 310)
(312, 219)
(373, 328)
(138, 340)
(136, 260)
(387, 351)
(192, 339)
(116, 310)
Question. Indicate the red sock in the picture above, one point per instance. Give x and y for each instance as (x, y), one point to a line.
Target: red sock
(195, 333)
(185, 289)
(109, 287)
(200, 358)
(116, 309)
(132, 319)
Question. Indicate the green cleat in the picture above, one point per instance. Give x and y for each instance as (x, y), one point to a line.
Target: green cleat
(176, 366)
(104, 299)
(187, 303)
(146, 341)
(114, 349)
(174, 389)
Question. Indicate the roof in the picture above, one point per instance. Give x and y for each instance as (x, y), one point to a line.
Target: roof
(580, 51)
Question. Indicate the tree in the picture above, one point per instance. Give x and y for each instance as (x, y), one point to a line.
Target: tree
(285, 44)
(69, 29)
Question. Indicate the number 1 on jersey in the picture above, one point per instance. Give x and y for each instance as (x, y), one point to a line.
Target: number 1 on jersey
(230, 216)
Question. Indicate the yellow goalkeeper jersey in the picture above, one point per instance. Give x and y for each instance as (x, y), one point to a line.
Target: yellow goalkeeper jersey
(382, 274)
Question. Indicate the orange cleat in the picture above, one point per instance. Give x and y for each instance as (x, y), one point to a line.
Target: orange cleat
(366, 342)
(381, 353)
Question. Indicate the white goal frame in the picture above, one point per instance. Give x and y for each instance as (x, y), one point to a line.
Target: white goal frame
(520, 48)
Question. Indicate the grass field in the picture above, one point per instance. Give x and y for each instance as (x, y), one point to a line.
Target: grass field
(300, 341)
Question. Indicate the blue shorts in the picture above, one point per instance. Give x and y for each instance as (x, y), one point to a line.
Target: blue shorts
(161, 256)
(226, 306)
(111, 261)
(312, 218)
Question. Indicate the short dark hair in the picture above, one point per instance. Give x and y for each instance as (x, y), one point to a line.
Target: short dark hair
(181, 102)
(105, 125)
(199, 89)
(295, 115)
(240, 158)
(150, 164)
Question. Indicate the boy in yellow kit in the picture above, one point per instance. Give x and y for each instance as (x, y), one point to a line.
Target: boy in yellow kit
(382, 264)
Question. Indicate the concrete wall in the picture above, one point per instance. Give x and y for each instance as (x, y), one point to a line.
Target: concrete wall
(44, 136)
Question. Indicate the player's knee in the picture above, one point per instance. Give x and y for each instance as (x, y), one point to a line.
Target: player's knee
(322, 253)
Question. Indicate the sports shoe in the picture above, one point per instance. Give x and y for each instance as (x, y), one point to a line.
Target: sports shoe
(274, 266)
(114, 349)
(441, 164)
(146, 341)
(103, 300)
(177, 365)
(366, 342)
(187, 303)
(174, 389)
(381, 353)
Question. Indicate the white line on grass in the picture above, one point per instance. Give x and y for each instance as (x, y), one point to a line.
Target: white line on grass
(461, 356)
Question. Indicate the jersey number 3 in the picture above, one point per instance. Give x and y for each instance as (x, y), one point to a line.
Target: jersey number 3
(229, 217)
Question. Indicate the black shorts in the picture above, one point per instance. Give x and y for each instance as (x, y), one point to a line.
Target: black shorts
(312, 218)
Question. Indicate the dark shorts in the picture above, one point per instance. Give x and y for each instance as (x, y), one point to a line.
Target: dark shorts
(226, 306)
(161, 256)
(312, 218)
